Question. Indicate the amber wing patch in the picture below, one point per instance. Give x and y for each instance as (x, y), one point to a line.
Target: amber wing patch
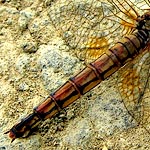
(133, 84)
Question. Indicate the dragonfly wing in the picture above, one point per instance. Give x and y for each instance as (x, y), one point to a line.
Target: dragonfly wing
(90, 27)
(133, 82)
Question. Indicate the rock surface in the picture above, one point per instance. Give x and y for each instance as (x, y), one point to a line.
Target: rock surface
(34, 61)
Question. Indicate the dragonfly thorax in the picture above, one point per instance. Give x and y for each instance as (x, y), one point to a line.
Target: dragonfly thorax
(144, 22)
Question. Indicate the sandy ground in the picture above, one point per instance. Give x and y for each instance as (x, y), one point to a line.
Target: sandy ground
(34, 61)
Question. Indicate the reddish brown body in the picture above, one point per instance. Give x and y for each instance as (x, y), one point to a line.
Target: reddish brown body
(88, 78)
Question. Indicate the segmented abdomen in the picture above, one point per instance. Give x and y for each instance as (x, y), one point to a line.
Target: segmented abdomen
(88, 78)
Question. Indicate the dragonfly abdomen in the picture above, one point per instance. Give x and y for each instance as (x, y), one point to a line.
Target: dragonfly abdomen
(88, 78)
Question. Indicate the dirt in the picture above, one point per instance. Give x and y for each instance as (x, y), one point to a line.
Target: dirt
(98, 120)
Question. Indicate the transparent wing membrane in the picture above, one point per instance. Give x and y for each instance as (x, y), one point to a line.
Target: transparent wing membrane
(93, 23)
(133, 82)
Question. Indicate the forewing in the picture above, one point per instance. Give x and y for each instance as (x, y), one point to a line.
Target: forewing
(89, 27)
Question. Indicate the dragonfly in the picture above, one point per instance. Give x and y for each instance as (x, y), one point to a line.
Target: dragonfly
(110, 36)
